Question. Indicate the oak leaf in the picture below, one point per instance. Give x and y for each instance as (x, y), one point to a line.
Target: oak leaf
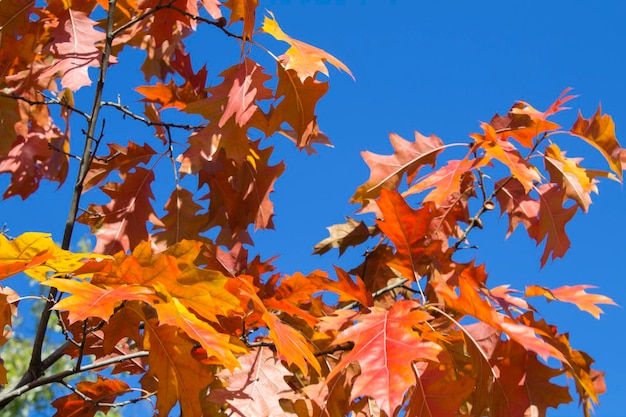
(438, 392)
(386, 171)
(297, 107)
(599, 131)
(385, 346)
(237, 96)
(344, 235)
(552, 220)
(575, 294)
(179, 377)
(243, 10)
(37, 255)
(121, 224)
(520, 207)
(122, 158)
(577, 182)
(497, 148)
(524, 384)
(74, 48)
(446, 180)
(256, 388)
(103, 390)
(408, 229)
(305, 59)
(87, 300)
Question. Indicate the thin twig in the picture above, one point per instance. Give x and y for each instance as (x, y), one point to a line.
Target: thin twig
(126, 111)
(49, 101)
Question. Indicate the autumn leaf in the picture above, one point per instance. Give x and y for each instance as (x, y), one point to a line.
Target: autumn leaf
(305, 59)
(438, 392)
(172, 312)
(291, 346)
(524, 383)
(446, 180)
(520, 207)
(297, 107)
(121, 224)
(87, 300)
(496, 148)
(122, 158)
(577, 182)
(599, 131)
(256, 388)
(344, 235)
(237, 96)
(408, 229)
(31, 159)
(94, 394)
(552, 220)
(37, 255)
(74, 49)
(386, 171)
(575, 294)
(385, 346)
(243, 10)
(173, 371)
(181, 221)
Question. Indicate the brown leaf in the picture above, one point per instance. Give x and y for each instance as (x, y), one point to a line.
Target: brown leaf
(101, 391)
(344, 235)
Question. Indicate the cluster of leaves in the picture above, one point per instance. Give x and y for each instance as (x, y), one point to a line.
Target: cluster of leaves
(411, 330)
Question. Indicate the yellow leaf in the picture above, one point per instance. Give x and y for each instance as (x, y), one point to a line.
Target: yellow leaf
(305, 59)
(37, 255)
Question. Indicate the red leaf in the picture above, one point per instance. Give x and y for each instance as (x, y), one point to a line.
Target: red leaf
(74, 49)
(385, 346)
(386, 171)
(121, 224)
(552, 220)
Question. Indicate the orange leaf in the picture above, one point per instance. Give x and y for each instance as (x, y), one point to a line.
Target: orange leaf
(218, 345)
(305, 59)
(599, 131)
(572, 294)
(243, 10)
(88, 300)
(173, 371)
(385, 346)
(577, 182)
(497, 148)
(101, 391)
(290, 344)
(297, 107)
(407, 229)
(446, 180)
(386, 171)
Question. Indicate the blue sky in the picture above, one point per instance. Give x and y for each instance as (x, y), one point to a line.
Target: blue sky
(439, 68)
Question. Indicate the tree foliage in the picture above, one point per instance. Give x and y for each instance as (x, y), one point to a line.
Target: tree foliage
(169, 308)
